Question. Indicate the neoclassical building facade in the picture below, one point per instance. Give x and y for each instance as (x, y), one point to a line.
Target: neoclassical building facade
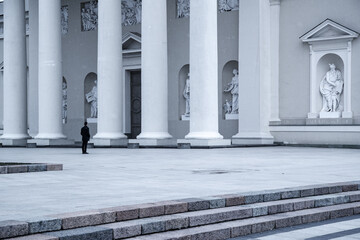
(167, 72)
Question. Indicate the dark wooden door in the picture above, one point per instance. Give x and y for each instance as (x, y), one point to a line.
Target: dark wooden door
(135, 104)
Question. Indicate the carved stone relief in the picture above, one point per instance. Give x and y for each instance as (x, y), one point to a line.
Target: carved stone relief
(183, 7)
(130, 11)
(89, 16)
(228, 5)
(64, 19)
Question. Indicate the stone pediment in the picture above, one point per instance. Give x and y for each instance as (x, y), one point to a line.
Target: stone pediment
(131, 42)
(329, 30)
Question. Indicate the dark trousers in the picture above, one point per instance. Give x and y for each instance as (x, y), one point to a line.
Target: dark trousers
(84, 146)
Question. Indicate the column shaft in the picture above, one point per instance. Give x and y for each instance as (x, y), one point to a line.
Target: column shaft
(50, 70)
(254, 73)
(204, 123)
(110, 80)
(15, 82)
(275, 51)
(154, 71)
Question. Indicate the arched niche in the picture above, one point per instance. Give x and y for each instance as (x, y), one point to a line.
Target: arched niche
(64, 100)
(226, 78)
(329, 41)
(183, 75)
(321, 69)
(89, 83)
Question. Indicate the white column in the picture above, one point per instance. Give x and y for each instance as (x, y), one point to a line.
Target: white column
(203, 70)
(314, 90)
(110, 77)
(275, 51)
(254, 73)
(33, 51)
(50, 70)
(15, 95)
(347, 86)
(154, 71)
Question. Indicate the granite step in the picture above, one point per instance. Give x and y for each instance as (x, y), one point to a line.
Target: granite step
(184, 213)
(132, 228)
(238, 228)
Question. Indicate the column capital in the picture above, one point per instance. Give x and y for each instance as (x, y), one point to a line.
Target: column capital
(274, 2)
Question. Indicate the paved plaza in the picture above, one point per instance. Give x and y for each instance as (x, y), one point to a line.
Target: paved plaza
(114, 177)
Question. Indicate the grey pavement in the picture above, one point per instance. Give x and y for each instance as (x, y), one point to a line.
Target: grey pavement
(115, 177)
(339, 229)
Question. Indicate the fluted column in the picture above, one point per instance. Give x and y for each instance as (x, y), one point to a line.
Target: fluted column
(110, 82)
(154, 71)
(15, 94)
(204, 70)
(50, 70)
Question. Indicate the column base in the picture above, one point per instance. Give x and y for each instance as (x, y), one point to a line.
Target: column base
(244, 139)
(170, 142)
(204, 136)
(37, 142)
(102, 142)
(154, 135)
(13, 142)
(205, 142)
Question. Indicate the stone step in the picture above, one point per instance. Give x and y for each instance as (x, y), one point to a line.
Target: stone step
(237, 228)
(268, 202)
(145, 226)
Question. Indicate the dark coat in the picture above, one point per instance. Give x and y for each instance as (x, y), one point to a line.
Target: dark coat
(85, 133)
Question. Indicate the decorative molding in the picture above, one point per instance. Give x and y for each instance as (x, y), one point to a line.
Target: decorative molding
(329, 30)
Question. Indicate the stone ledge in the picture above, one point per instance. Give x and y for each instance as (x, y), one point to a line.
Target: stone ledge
(29, 167)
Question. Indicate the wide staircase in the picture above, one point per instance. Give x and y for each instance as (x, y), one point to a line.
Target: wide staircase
(217, 217)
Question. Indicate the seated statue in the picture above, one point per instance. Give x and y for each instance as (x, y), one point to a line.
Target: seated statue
(331, 87)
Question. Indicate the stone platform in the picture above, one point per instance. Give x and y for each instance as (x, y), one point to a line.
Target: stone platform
(114, 177)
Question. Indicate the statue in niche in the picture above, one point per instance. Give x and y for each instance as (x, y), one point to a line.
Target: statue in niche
(228, 5)
(233, 88)
(227, 107)
(331, 87)
(64, 102)
(183, 8)
(186, 95)
(89, 16)
(64, 19)
(91, 97)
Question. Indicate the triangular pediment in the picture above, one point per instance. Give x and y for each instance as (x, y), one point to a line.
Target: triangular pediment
(329, 30)
(131, 41)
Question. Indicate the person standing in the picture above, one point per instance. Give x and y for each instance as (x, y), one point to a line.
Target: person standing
(85, 133)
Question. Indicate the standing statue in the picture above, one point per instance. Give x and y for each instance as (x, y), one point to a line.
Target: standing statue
(64, 102)
(331, 87)
(186, 94)
(91, 98)
(233, 88)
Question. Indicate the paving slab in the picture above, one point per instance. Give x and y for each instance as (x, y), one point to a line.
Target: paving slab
(108, 178)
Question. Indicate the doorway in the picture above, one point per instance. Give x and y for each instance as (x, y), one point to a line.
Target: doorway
(135, 96)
